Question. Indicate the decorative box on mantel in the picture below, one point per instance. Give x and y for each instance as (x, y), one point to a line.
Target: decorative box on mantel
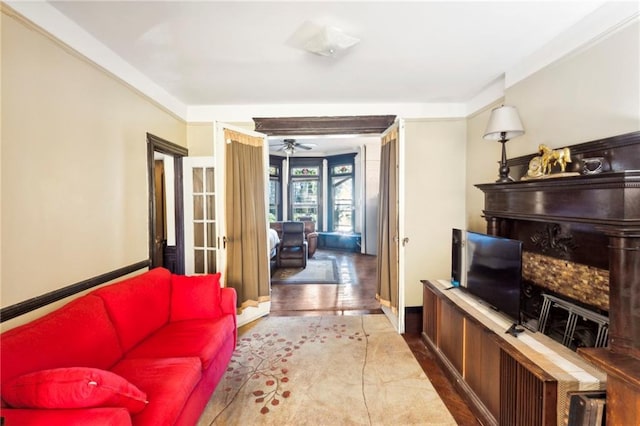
(593, 220)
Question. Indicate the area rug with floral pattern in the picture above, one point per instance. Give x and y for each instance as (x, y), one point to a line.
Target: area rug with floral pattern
(324, 370)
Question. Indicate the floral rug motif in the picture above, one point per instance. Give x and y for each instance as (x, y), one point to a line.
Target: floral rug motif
(323, 370)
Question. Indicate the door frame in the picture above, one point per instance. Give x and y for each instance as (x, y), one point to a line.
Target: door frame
(157, 144)
(365, 125)
(401, 239)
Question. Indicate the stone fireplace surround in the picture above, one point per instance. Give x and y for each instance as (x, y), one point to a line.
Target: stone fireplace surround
(581, 238)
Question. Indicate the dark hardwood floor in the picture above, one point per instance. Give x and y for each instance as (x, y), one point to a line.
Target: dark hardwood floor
(355, 295)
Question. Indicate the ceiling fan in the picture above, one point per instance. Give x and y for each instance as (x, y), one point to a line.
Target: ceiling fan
(289, 146)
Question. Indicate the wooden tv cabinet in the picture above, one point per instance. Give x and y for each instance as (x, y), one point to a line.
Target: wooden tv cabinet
(507, 380)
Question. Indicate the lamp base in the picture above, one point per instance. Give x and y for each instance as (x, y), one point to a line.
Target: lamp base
(504, 168)
(505, 179)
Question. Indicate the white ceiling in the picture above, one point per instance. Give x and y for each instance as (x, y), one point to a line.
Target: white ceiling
(324, 145)
(239, 52)
(231, 58)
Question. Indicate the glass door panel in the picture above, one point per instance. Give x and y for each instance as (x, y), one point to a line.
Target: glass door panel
(201, 237)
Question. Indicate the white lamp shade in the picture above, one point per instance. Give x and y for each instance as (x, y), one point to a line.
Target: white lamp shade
(504, 119)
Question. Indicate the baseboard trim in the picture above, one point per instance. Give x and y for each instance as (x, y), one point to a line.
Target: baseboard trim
(413, 319)
(32, 304)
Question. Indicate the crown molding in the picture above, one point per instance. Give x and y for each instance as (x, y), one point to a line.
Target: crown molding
(607, 19)
(601, 23)
(245, 113)
(70, 34)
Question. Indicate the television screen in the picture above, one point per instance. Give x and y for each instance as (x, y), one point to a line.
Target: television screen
(494, 271)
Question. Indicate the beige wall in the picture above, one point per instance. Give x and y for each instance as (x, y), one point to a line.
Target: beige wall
(74, 184)
(481, 165)
(74, 180)
(200, 139)
(591, 94)
(435, 197)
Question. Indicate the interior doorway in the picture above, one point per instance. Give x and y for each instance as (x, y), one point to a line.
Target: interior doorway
(166, 209)
(309, 131)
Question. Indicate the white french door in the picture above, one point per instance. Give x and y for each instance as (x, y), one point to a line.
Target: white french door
(397, 234)
(201, 220)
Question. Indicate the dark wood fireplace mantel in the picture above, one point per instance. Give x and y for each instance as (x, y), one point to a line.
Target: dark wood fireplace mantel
(607, 204)
(610, 200)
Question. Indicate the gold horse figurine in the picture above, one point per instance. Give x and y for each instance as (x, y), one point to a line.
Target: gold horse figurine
(551, 157)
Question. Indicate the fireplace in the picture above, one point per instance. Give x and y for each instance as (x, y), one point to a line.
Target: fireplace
(570, 322)
(581, 239)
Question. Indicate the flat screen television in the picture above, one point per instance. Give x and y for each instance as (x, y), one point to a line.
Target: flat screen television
(456, 257)
(494, 272)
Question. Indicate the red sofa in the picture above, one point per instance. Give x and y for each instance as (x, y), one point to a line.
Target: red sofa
(148, 350)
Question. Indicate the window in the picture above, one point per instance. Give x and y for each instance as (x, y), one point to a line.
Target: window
(275, 189)
(341, 195)
(307, 179)
(306, 190)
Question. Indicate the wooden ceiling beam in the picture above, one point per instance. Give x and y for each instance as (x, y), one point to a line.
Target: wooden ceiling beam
(345, 125)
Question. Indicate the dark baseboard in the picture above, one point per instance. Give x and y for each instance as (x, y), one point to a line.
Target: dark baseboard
(413, 319)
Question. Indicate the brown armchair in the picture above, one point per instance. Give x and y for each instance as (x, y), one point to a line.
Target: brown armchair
(292, 250)
(312, 236)
(309, 232)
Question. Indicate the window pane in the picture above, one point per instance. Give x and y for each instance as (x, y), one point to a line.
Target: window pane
(273, 191)
(342, 203)
(197, 180)
(274, 199)
(305, 171)
(198, 234)
(198, 207)
(343, 219)
(305, 213)
(211, 262)
(210, 180)
(198, 261)
(211, 235)
(342, 188)
(211, 207)
(342, 169)
(305, 191)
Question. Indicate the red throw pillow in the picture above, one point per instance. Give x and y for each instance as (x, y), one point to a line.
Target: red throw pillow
(195, 297)
(76, 387)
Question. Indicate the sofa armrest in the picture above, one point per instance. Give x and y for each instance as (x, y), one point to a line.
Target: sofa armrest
(80, 416)
(228, 300)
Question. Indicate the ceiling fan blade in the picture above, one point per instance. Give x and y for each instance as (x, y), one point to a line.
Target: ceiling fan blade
(303, 146)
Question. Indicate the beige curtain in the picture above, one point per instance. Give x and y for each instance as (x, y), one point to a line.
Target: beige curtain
(388, 293)
(247, 266)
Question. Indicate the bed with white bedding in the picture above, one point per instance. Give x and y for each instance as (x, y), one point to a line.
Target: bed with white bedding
(274, 240)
